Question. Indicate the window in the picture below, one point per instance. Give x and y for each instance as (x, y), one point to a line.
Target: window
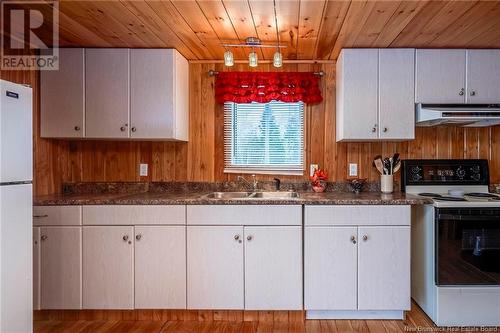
(264, 138)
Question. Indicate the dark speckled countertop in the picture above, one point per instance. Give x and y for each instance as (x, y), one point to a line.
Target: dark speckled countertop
(182, 194)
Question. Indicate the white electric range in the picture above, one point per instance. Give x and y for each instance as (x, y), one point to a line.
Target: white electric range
(455, 241)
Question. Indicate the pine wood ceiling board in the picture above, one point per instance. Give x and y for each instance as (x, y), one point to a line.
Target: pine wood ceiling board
(488, 39)
(193, 15)
(220, 22)
(429, 24)
(404, 14)
(169, 15)
(73, 33)
(288, 20)
(480, 18)
(357, 15)
(376, 22)
(334, 15)
(157, 26)
(310, 17)
(241, 18)
(103, 19)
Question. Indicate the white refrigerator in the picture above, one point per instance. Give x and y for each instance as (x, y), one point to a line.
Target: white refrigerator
(16, 174)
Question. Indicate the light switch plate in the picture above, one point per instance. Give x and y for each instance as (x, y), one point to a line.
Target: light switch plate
(312, 168)
(353, 170)
(143, 170)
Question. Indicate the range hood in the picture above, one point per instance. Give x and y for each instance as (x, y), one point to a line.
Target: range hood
(466, 115)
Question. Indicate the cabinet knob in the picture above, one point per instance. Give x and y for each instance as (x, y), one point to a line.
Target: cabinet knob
(249, 238)
(134, 129)
(122, 128)
(473, 93)
(353, 239)
(461, 92)
(236, 237)
(365, 238)
(385, 129)
(44, 237)
(77, 128)
(138, 237)
(374, 129)
(125, 238)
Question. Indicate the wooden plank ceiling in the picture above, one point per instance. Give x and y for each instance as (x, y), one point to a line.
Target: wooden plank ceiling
(311, 29)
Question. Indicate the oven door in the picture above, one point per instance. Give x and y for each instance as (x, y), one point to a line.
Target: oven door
(467, 246)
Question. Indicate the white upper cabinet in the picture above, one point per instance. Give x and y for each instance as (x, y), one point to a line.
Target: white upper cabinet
(107, 93)
(483, 76)
(396, 94)
(440, 76)
(140, 94)
(357, 95)
(375, 94)
(62, 97)
(159, 89)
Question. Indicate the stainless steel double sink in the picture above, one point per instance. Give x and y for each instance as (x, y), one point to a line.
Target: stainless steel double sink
(252, 195)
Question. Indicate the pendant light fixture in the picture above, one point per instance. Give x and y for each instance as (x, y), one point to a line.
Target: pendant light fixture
(278, 57)
(253, 59)
(228, 58)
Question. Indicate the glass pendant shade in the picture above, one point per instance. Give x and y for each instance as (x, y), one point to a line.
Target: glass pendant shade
(253, 60)
(228, 58)
(277, 59)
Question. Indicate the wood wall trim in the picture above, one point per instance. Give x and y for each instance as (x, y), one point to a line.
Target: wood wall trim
(175, 315)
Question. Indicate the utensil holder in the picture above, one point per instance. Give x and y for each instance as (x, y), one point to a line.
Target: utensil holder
(387, 183)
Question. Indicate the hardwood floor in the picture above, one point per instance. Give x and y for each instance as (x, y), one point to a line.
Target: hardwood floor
(415, 319)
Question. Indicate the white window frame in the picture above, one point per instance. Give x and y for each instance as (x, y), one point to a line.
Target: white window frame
(229, 167)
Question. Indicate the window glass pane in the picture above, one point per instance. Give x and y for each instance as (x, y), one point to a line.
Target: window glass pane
(264, 136)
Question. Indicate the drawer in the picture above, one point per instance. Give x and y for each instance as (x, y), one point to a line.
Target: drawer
(134, 215)
(244, 215)
(357, 215)
(57, 215)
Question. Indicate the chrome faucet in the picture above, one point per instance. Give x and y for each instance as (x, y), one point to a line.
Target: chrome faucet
(277, 183)
(252, 185)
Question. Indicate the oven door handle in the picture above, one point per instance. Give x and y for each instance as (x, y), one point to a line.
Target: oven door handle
(493, 218)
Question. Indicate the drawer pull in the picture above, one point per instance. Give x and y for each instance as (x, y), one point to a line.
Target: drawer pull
(40, 216)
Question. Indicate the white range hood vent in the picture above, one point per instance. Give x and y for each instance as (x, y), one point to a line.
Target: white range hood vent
(465, 115)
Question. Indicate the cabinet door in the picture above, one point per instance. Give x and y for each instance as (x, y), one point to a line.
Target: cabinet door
(62, 97)
(108, 267)
(330, 268)
(107, 93)
(273, 268)
(483, 76)
(397, 94)
(36, 268)
(357, 94)
(384, 268)
(440, 76)
(160, 267)
(215, 267)
(152, 94)
(61, 267)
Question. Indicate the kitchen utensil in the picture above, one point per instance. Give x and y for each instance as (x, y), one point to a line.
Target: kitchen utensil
(397, 166)
(377, 162)
(387, 166)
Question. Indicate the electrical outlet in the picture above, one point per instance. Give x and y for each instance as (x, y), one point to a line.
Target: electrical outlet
(143, 170)
(353, 170)
(312, 168)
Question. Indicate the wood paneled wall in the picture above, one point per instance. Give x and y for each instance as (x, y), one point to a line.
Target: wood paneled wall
(201, 159)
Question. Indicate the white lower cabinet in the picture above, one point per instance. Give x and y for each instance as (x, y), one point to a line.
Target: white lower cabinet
(36, 268)
(160, 267)
(330, 268)
(356, 268)
(60, 267)
(384, 268)
(108, 267)
(215, 267)
(273, 268)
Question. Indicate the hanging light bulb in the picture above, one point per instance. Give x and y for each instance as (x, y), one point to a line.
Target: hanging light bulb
(278, 59)
(228, 58)
(253, 60)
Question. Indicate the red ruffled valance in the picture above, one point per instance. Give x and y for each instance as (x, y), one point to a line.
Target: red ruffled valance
(263, 87)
